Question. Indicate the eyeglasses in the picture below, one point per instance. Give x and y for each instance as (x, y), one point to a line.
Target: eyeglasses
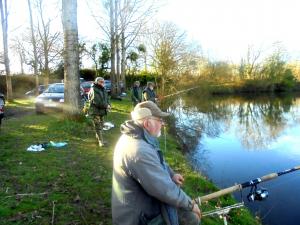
(158, 119)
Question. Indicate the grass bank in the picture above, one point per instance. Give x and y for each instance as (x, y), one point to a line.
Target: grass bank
(72, 185)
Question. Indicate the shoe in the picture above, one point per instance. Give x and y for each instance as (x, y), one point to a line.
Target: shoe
(103, 144)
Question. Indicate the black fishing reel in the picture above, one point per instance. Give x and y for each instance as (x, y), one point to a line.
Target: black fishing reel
(257, 194)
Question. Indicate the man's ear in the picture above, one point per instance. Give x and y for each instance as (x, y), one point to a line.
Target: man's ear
(146, 123)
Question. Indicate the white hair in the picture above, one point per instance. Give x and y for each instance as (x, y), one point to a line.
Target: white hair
(98, 79)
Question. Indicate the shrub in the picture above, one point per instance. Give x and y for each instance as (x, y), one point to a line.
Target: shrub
(288, 81)
(88, 74)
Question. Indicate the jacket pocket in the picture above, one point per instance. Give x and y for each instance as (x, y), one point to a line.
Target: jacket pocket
(157, 220)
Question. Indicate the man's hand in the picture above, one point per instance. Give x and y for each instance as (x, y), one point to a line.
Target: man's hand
(178, 179)
(196, 209)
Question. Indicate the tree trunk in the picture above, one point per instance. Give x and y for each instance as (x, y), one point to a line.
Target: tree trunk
(71, 58)
(45, 40)
(47, 70)
(117, 43)
(4, 22)
(21, 63)
(118, 75)
(123, 60)
(113, 50)
(35, 70)
(96, 68)
(145, 61)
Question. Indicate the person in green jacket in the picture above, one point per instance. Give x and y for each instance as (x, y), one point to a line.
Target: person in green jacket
(149, 93)
(99, 106)
(136, 95)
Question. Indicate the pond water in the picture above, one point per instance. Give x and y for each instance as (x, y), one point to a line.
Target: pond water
(235, 139)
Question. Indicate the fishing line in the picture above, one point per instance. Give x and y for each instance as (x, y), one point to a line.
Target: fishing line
(165, 137)
(269, 211)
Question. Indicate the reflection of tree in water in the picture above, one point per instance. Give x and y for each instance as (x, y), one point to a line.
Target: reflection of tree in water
(261, 120)
(195, 118)
(201, 161)
(258, 120)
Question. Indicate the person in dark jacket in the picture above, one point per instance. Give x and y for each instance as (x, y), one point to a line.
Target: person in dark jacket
(2, 103)
(149, 94)
(99, 105)
(144, 188)
(136, 95)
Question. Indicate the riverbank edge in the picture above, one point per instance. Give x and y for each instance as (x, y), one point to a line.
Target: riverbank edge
(71, 170)
(197, 184)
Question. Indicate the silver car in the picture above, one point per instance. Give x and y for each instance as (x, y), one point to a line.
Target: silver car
(52, 98)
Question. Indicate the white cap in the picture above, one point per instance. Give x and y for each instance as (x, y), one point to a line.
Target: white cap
(140, 113)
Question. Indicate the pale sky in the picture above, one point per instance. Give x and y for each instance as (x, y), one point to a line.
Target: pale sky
(223, 28)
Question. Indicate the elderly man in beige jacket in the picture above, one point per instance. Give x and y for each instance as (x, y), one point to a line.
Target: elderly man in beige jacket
(145, 189)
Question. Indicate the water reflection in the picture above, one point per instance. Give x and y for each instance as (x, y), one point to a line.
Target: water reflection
(258, 121)
(235, 139)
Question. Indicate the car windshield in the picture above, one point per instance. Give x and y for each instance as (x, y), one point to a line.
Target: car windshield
(42, 87)
(56, 88)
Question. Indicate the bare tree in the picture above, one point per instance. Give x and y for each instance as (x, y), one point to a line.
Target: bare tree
(133, 16)
(117, 43)
(112, 34)
(71, 58)
(4, 23)
(19, 49)
(250, 66)
(168, 47)
(35, 59)
(48, 41)
(127, 18)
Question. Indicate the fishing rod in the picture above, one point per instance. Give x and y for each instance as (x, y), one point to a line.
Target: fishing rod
(255, 193)
(178, 92)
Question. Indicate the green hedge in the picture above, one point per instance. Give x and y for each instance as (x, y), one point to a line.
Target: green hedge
(21, 84)
(142, 77)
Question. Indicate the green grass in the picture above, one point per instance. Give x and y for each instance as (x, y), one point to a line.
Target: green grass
(27, 102)
(76, 178)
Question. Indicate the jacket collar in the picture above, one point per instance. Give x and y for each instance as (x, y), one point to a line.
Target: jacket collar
(132, 129)
(150, 139)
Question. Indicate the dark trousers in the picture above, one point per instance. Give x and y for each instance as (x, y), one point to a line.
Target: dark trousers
(98, 122)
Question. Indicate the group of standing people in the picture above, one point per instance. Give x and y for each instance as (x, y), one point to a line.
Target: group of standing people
(145, 190)
(138, 95)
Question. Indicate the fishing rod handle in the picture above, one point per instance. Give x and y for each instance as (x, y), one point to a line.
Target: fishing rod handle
(218, 193)
(269, 177)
